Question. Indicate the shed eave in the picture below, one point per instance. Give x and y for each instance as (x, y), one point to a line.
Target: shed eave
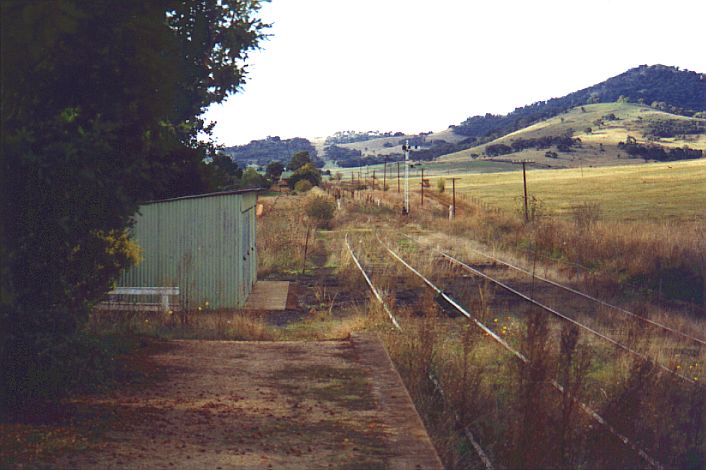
(205, 195)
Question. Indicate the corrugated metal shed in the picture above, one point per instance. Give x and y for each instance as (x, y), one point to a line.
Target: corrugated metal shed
(205, 245)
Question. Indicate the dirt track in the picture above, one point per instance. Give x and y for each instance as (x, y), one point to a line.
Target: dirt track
(220, 404)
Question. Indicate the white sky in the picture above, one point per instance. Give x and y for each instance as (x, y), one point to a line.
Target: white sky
(414, 66)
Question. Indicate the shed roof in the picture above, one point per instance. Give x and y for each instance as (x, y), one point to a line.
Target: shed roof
(197, 196)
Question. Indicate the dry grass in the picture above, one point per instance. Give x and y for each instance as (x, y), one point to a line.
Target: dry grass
(657, 192)
(519, 419)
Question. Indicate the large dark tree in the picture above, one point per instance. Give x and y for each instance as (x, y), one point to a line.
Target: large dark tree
(298, 160)
(101, 106)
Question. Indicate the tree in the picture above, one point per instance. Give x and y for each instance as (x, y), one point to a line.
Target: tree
(320, 210)
(298, 160)
(303, 186)
(223, 173)
(253, 179)
(307, 172)
(100, 111)
(274, 170)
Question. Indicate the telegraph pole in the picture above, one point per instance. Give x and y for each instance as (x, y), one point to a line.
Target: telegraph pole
(405, 147)
(524, 182)
(422, 184)
(384, 175)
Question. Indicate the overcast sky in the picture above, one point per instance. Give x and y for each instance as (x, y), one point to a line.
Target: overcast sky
(415, 66)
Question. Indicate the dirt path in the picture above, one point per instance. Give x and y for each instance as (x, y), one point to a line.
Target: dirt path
(224, 405)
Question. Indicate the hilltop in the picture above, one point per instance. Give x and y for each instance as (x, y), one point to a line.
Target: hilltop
(665, 88)
(261, 152)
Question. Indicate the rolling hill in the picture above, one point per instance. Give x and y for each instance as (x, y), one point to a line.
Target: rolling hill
(665, 88)
(657, 105)
(601, 128)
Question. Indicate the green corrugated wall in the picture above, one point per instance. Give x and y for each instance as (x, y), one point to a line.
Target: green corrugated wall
(198, 244)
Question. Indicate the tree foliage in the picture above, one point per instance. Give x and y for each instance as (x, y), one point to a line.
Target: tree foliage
(303, 186)
(320, 210)
(274, 170)
(299, 160)
(261, 152)
(252, 179)
(101, 110)
(306, 172)
(657, 152)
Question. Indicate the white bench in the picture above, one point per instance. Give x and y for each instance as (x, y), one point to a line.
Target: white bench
(164, 304)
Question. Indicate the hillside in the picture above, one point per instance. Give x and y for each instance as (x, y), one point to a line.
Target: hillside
(643, 99)
(600, 128)
(665, 88)
(262, 152)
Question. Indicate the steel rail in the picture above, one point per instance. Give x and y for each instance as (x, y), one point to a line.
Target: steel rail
(467, 432)
(588, 410)
(555, 312)
(372, 287)
(589, 270)
(589, 297)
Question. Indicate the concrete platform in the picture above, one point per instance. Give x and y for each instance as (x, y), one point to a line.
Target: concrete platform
(226, 404)
(268, 295)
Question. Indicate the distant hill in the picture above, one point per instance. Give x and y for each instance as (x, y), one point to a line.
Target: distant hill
(348, 137)
(262, 152)
(596, 135)
(665, 88)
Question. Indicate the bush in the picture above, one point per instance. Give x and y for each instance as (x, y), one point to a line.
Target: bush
(440, 185)
(253, 179)
(303, 186)
(320, 210)
(307, 172)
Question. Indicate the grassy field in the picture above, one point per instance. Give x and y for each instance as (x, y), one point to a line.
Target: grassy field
(433, 168)
(653, 191)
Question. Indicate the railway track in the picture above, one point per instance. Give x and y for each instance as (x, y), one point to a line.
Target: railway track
(592, 315)
(377, 267)
(490, 333)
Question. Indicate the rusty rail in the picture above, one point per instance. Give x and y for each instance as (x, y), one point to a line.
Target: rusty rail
(589, 297)
(585, 408)
(467, 432)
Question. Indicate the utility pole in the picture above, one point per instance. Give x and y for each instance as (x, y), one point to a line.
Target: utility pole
(524, 182)
(405, 147)
(373, 180)
(422, 184)
(453, 197)
(384, 176)
(398, 177)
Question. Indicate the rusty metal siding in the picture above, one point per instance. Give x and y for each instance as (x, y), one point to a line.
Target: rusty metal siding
(195, 244)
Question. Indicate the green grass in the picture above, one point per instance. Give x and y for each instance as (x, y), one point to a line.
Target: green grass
(431, 168)
(655, 191)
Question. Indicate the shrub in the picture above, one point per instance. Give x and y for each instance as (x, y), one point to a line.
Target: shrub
(440, 185)
(302, 186)
(307, 172)
(253, 179)
(320, 210)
